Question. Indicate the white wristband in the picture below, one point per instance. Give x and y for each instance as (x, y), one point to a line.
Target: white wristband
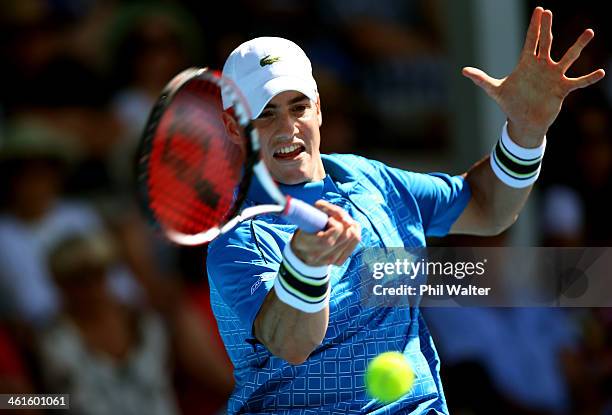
(301, 267)
(514, 165)
(302, 286)
(295, 300)
(522, 152)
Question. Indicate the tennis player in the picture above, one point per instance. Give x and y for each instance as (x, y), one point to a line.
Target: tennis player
(287, 303)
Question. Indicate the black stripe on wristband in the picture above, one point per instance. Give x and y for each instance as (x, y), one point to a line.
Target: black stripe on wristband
(513, 166)
(285, 288)
(528, 161)
(312, 291)
(292, 269)
(504, 170)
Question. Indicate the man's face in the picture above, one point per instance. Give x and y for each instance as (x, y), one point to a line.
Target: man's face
(289, 135)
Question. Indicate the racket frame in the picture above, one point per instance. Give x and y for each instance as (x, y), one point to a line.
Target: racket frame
(254, 165)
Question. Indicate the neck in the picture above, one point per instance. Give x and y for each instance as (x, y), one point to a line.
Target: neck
(319, 173)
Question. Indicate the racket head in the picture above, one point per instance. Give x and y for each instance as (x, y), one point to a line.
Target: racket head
(193, 175)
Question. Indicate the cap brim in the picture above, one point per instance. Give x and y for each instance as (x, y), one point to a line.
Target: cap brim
(260, 97)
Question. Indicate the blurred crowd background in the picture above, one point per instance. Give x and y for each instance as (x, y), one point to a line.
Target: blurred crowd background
(94, 304)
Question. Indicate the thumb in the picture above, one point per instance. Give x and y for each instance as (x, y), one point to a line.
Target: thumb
(333, 211)
(481, 79)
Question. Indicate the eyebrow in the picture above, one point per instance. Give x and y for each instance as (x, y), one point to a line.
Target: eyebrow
(292, 101)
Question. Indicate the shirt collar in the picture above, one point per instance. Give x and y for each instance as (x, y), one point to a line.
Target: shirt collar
(311, 191)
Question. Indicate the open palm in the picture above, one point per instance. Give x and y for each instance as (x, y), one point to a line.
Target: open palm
(532, 95)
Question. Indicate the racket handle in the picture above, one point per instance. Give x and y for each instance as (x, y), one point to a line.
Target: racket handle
(308, 218)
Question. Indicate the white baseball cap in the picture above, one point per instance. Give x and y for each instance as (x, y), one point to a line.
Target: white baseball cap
(266, 66)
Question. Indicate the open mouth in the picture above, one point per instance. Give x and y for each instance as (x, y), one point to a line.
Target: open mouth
(289, 152)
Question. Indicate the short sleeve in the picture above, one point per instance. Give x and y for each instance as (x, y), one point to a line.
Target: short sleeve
(242, 266)
(441, 198)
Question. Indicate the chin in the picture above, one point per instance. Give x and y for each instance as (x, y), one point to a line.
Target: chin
(290, 176)
(295, 180)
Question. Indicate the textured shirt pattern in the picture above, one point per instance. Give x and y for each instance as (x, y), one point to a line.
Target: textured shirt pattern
(395, 209)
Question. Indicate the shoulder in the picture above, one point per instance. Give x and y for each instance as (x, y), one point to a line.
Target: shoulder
(349, 167)
(351, 164)
(238, 238)
(254, 240)
(259, 230)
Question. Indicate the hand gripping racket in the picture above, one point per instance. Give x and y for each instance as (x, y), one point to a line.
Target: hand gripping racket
(193, 176)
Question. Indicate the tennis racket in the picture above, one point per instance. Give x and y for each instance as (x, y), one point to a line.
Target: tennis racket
(193, 176)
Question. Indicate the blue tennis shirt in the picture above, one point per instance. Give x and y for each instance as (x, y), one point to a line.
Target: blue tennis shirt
(395, 208)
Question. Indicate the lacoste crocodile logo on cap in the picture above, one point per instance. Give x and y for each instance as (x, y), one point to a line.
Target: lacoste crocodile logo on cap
(268, 60)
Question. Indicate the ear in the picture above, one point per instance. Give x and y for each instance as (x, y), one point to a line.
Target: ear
(319, 113)
(232, 127)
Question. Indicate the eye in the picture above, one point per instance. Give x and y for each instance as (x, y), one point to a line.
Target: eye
(299, 108)
(265, 114)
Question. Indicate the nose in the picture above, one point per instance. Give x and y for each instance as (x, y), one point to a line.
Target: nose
(287, 126)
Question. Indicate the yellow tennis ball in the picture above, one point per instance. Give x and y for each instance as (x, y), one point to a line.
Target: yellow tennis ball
(389, 376)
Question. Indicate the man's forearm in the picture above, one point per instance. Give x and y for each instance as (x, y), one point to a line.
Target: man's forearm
(501, 182)
(287, 332)
(498, 204)
(293, 319)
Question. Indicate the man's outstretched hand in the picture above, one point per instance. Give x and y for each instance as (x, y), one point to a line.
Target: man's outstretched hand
(532, 95)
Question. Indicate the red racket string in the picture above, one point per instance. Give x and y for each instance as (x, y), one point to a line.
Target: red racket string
(194, 168)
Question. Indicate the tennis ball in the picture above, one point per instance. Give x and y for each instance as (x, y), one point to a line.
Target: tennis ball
(389, 377)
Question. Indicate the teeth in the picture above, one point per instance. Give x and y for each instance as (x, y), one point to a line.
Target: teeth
(288, 149)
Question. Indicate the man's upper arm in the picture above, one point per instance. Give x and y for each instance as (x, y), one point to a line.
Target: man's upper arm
(243, 271)
(441, 198)
(470, 222)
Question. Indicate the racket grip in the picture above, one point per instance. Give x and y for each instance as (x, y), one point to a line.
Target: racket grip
(308, 218)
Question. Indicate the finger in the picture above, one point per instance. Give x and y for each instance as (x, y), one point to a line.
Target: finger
(334, 211)
(481, 79)
(327, 242)
(334, 256)
(330, 235)
(329, 208)
(586, 80)
(301, 245)
(348, 250)
(574, 52)
(345, 246)
(310, 247)
(545, 35)
(342, 255)
(533, 32)
(351, 239)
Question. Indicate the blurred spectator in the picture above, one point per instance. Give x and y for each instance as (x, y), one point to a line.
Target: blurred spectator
(70, 97)
(202, 365)
(33, 161)
(108, 357)
(32, 37)
(56, 76)
(35, 216)
(14, 372)
(562, 217)
(150, 44)
(583, 162)
(338, 128)
(400, 65)
(594, 177)
(515, 354)
(517, 360)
